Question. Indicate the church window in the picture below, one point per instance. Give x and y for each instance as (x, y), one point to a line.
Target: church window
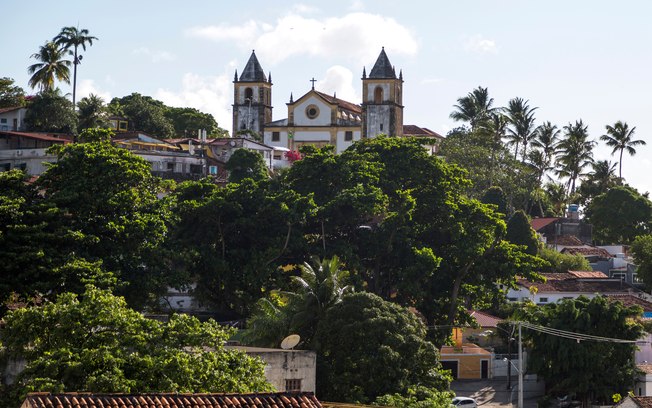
(249, 94)
(276, 136)
(348, 136)
(312, 111)
(378, 95)
(381, 126)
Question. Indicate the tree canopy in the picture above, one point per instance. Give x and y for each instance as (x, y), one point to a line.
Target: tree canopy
(50, 112)
(642, 251)
(11, 95)
(95, 343)
(619, 215)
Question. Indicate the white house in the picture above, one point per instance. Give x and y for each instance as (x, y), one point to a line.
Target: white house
(12, 118)
(27, 151)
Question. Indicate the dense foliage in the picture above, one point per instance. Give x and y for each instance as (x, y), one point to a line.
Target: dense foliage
(642, 251)
(95, 343)
(49, 111)
(11, 95)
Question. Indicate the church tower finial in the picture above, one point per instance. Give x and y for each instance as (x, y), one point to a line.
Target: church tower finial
(291, 98)
(235, 78)
(269, 77)
(364, 73)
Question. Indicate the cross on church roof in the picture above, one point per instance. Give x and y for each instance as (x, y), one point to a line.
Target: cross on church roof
(313, 80)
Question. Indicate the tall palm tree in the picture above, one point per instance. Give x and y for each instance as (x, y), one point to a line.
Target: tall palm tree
(619, 136)
(73, 37)
(495, 129)
(92, 112)
(603, 175)
(557, 194)
(474, 108)
(545, 141)
(51, 66)
(521, 118)
(575, 153)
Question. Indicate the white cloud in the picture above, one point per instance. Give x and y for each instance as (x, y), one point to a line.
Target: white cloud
(86, 87)
(210, 94)
(355, 36)
(155, 56)
(357, 5)
(429, 81)
(339, 80)
(480, 45)
(304, 9)
(242, 33)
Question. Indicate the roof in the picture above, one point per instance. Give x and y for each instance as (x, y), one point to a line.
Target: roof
(569, 283)
(11, 109)
(538, 223)
(629, 300)
(37, 136)
(643, 402)
(586, 250)
(341, 103)
(382, 69)
(589, 274)
(414, 130)
(646, 368)
(565, 240)
(253, 72)
(485, 319)
(467, 348)
(170, 400)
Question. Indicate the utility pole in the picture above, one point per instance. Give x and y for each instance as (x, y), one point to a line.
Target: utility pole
(520, 367)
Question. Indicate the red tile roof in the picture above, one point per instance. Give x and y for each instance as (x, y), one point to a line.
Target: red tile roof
(643, 402)
(413, 130)
(632, 300)
(568, 283)
(3, 110)
(646, 368)
(37, 136)
(485, 319)
(586, 251)
(588, 274)
(538, 223)
(341, 103)
(170, 400)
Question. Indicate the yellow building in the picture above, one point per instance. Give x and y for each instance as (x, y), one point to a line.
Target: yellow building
(466, 361)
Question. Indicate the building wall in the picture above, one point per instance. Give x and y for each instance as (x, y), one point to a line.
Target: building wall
(643, 386)
(378, 120)
(7, 120)
(301, 118)
(523, 294)
(282, 365)
(31, 160)
(469, 366)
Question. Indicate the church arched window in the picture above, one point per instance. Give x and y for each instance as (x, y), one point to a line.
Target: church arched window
(378, 95)
(249, 94)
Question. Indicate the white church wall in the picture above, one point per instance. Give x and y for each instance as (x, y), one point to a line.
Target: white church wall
(312, 136)
(371, 89)
(323, 118)
(282, 140)
(342, 144)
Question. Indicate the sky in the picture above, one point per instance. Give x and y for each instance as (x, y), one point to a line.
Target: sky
(579, 59)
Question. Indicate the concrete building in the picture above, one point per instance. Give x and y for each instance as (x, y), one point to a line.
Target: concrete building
(12, 119)
(27, 151)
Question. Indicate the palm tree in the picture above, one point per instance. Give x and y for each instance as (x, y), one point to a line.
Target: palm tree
(92, 112)
(619, 136)
(51, 66)
(545, 141)
(495, 129)
(73, 37)
(604, 174)
(521, 118)
(474, 108)
(575, 153)
(557, 194)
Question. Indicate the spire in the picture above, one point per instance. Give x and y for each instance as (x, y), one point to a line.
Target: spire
(253, 72)
(400, 75)
(269, 77)
(291, 98)
(235, 78)
(382, 68)
(364, 73)
(334, 95)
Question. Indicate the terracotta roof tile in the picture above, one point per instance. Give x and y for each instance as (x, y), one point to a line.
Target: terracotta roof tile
(538, 223)
(643, 402)
(589, 274)
(37, 136)
(341, 103)
(413, 130)
(485, 319)
(632, 300)
(646, 368)
(172, 400)
(586, 251)
(566, 282)
(565, 240)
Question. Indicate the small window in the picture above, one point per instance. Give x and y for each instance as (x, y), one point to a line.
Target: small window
(249, 94)
(196, 168)
(512, 299)
(293, 385)
(381, 126)
(277, 156)
(543, 300)
(3, 120)
(276, 136)
(171, 166)
(212, 170)
(348, 136)
(378, 95)
(123, 125)
(312, 111)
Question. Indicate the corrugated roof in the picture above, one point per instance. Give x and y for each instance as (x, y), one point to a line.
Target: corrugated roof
(168, 400)
(382, 69)
(253, 72)
(538, 223)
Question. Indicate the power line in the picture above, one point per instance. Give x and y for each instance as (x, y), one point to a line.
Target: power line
(572, 335)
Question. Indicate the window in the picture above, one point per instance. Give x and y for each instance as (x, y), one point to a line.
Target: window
(381, 126)
(619, 275)
(171, 166)
(277, 156)
(512, 299)
(249, 95)
(123, 125)
(348, 136)
(312, 111)
(293, 385)
(212, 170)
(196, 168)
(3, 120)
(276, 136)
(378, 95)
(543, 300)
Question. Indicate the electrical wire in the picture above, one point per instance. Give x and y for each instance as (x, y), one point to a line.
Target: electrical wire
(571, 335)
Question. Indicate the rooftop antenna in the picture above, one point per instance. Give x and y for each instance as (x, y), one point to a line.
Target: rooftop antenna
(290, 342)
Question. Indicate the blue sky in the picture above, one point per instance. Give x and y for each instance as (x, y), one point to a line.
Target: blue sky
(589, 60)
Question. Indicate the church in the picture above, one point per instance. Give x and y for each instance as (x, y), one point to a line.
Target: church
(319, 119)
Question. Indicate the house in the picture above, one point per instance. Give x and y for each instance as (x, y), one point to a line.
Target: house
(28, 150)
(466, 360)
(288, 370)
(643, 383)
(571, 285)
(168, 400)
(486, 335)
(632, 401)
(12, 119)
(554, 230)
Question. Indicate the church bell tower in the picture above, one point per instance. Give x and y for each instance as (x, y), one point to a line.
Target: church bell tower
(252, 99)
(382, 99)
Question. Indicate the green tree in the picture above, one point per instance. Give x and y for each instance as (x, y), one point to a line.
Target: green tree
(368, 347)
(599, 181)
(495, 196)
(92, 112)
(619, 215)
(520, 232)
(562, 263)
(417, 397)
(11, 95)
(553, 357)
(642, 252)
(51, 66)
(575, 153)
(521, 119)
(73, 37)
(144, 113)
(50, 112)
(620, 137)
(245, 163)
(187, 121)
(95, 343)
(110, 200)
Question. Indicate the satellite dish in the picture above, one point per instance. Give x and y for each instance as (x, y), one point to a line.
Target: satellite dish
(290, 341)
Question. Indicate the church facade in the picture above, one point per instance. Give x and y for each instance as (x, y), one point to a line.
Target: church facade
(320, 119)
